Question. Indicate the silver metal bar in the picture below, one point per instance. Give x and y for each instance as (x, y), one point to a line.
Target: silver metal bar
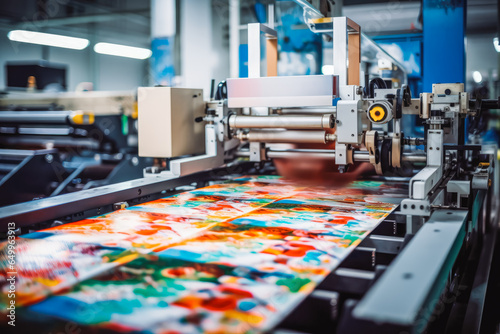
(297, 137)
(307, 110)
(64, 131)
(234, 37)
(359, 156)
(355, 273)
(411, 157)
(294, 153)
(408, 291)
(270, 16)
(384, 243)
(315, 122)
(254, 50)
(300, 155)
(340, 49)
(52, 117)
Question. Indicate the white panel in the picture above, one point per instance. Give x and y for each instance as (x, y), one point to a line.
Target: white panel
(292, 91)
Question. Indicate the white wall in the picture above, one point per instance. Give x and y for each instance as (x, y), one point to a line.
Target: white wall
(118, 73)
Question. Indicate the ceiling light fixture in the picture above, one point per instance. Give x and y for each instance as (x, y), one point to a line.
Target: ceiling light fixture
(42, 38)
(122, 50)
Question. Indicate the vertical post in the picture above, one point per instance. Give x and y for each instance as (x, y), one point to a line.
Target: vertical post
(340, 49)
(254, 50)
(272, 56)
(443, 62)
(234, 38)
(270, 16)
(163, 30)
(354, 51)
(271, 45)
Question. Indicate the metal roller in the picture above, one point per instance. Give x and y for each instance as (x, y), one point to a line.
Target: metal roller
(358, 156)
(47, 117)
(296, 137)
(310, 122)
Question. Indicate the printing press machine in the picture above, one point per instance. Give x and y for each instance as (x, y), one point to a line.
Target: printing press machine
(71, 141)
(423, 269)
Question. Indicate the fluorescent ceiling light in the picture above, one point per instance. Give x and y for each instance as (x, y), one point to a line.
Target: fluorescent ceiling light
(496, 44)
(122, 51)
(476, 75)
(42, 38)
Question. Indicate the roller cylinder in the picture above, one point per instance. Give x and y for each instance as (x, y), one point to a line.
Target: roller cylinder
(311, 122)
(295, 137)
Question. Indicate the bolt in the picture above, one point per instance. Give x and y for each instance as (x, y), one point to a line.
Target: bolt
(49, 158)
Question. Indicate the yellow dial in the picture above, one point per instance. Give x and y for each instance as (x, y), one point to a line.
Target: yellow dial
(377, 113)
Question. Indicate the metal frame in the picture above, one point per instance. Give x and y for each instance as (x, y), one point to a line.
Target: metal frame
(407, 293)
(254, 46)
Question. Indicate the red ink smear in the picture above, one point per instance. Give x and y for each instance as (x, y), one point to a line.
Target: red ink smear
(219, 304)
(342, 220)
(237, 292)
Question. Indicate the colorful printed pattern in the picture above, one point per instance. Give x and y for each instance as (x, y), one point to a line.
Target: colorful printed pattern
(232, 257)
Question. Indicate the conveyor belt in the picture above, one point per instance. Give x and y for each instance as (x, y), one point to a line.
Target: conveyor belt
(232, 257)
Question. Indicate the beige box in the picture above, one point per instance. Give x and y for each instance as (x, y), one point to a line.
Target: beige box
(167, 126)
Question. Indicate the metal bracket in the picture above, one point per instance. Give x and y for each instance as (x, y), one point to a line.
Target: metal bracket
(254, 30)
(257, 151)
(461, 188)
(348, 124)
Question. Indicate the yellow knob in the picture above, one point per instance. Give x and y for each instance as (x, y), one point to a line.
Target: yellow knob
(377, 113)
